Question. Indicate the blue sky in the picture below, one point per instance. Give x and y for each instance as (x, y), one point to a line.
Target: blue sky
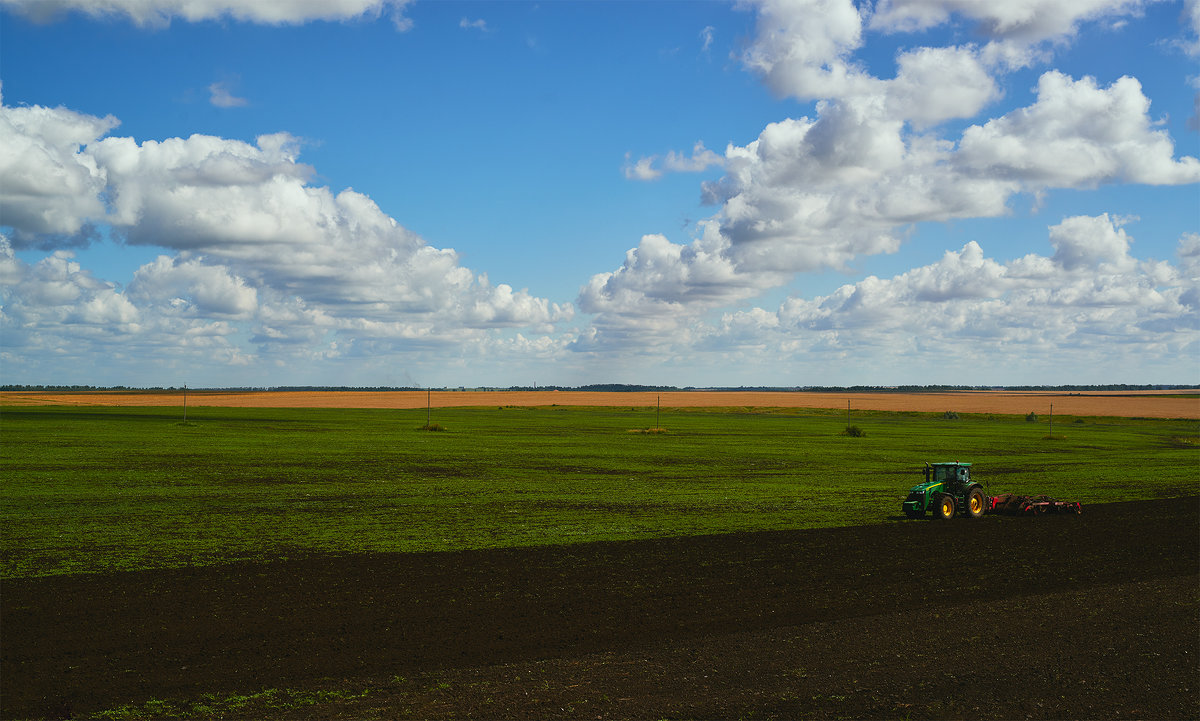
(818, 192)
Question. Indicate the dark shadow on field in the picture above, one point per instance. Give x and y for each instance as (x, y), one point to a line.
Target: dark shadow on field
(87, 643)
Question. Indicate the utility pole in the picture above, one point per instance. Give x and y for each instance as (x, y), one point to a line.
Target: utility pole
(1051, 420)
(185, 402)
(428, 404)
(658, 414)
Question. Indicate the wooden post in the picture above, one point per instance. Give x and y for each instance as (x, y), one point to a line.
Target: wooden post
(1052, 420)
(428, 404)
(847, 412)
(658, 414)
(185, 402)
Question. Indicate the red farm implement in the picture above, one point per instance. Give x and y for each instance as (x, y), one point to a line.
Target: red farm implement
(948, 490)
(1013, 505)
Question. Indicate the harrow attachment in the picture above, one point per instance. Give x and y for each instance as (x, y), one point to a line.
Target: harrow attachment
(1013, 505)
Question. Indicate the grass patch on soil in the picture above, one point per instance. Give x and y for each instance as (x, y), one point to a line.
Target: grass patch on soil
(104, 489)
(268, 702)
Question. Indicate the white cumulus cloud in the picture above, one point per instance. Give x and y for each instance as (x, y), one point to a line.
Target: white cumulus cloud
(816, 193)
(192, 286)
(1078, 134)
(157, 13)
(1090, 303)
(49, 184)
(253, 251)
(1023, 20)
(805, 49)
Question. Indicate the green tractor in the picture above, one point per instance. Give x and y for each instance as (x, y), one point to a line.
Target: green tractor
(947, 491)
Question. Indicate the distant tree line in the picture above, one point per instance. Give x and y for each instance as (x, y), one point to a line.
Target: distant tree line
(627, 388)
(17, 387)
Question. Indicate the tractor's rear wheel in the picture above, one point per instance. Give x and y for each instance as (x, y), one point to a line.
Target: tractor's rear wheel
(975, 503)
(944, 508)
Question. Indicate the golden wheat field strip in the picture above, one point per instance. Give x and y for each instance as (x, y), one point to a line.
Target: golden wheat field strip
(1145, 404)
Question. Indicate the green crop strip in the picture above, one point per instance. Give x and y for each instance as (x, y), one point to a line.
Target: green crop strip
(218, 706)
(91, 490)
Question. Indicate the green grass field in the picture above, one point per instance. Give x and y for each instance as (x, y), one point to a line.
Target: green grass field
(103, 489)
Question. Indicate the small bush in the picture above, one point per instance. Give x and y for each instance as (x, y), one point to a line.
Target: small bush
(854, 432)
(950, 416)
(433, 427)
(647, 431)
(1031, 418)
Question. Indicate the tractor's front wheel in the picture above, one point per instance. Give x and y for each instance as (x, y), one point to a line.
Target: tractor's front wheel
(944, 508)
(975, 504)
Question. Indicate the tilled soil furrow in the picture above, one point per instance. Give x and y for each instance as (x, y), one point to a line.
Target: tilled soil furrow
(77, 644)
(1053, 655)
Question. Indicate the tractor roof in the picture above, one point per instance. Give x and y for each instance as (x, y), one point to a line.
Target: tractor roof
(948, 463)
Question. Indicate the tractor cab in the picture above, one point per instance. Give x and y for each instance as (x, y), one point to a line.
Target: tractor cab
(951, 474)
(946, 490)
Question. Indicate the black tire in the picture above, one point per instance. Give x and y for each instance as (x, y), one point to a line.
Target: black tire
(976, 503)
(944, 507)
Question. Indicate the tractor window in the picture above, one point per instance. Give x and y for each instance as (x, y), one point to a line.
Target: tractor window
(949, 473)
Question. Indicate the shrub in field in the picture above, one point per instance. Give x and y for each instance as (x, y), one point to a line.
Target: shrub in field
(950, 416)
(854, 432)
(1031, 417)
(433, 427)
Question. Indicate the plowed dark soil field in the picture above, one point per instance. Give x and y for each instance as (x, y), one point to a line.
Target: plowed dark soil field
(1088, 617)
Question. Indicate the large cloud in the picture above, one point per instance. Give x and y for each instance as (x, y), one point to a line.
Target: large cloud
(56, 312)
(1078, 134)
(161, 12)
(1089, 302)
(816, 193)
(661, 289)
(192, 287)
(50, 186)
(256, 252)
(250, 207)
(1086, 312)
(805, 49)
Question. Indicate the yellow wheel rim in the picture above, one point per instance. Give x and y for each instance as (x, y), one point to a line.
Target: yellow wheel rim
(976, 504)
(946, 508)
